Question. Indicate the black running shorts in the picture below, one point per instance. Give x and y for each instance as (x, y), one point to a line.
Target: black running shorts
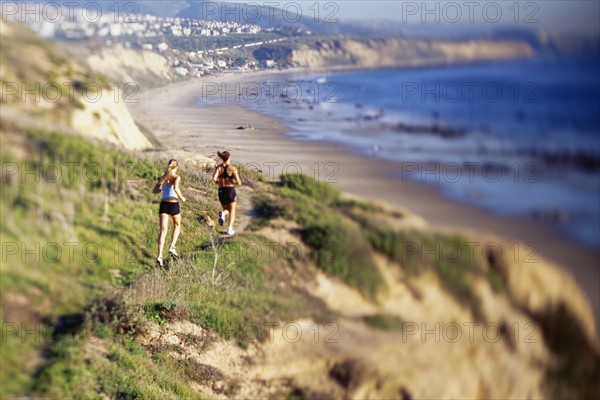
(169, 208)
(227, 195)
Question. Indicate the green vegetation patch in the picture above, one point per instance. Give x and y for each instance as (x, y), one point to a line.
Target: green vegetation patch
(453, 258)
(384, 322)
(339, 247)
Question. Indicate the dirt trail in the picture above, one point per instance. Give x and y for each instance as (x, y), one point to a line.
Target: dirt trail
(244, 208)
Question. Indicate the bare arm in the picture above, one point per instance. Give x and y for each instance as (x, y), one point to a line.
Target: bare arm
(157, 186)
(177, 191)
(237, 177)
(215, 177)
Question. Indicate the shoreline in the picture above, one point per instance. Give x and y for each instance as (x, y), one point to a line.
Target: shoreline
(172, 114)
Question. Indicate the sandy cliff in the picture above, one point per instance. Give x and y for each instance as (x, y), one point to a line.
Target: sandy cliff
(142, 67)
(43, 81)
(371, 53)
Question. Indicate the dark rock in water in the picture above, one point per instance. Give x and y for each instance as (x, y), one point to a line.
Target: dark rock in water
(372, 117)
(310, 107)
(245, 128)
(436, 129)
(579, 158)
(552, 216)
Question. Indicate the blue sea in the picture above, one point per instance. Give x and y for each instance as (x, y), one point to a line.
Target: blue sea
(519, 138)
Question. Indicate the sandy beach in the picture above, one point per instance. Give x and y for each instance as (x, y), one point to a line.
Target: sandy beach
(172, 115)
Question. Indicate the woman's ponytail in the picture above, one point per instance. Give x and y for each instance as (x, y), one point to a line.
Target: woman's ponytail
(170, 167)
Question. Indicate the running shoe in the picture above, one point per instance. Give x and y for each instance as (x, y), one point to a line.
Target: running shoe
(221, 218)
(159, 262)
(173, 252)
(230, 231)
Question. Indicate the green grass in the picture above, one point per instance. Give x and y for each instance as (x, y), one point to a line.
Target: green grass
(453, 258)
(74, 237)
(91, 367)
(113, 284)
(246, 296)
(118, 291)
(339, 247)
(384, 322)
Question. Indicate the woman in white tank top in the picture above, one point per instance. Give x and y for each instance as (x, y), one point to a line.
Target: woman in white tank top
(168, 184)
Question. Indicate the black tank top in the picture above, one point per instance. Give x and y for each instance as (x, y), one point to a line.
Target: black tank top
(224, 174)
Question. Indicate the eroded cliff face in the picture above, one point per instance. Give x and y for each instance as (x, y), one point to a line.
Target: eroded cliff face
(44, 84)
(373, 53)
(108, 119)
(134, 67)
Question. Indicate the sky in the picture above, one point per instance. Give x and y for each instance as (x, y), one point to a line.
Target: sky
(552, 15)
(573, 16)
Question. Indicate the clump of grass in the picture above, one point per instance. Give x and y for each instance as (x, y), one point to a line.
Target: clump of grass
(81, 162)
(121, 317)
(320, 191)
(452, 257)
(339, 247)
(266, 207)
(115, 369)
(384, 322)
(166, 311)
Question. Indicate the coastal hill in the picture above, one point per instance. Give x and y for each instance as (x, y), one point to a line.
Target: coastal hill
(42, 82)
(318, 296)
(390, 52)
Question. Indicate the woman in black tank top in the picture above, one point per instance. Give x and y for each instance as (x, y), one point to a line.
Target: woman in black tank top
(226, 176)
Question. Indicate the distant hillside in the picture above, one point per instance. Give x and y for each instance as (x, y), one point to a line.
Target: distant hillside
(42, 83)
(294, 16)
(327, 52)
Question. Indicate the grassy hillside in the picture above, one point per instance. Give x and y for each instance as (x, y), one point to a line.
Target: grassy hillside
(110, 225)
(78, 325)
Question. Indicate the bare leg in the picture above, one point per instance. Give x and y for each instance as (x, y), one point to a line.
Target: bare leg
(176, 229)
(231, 214)
(162, 232)
(223, 214)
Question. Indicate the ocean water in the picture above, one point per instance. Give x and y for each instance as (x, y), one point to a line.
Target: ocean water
(519, 138)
